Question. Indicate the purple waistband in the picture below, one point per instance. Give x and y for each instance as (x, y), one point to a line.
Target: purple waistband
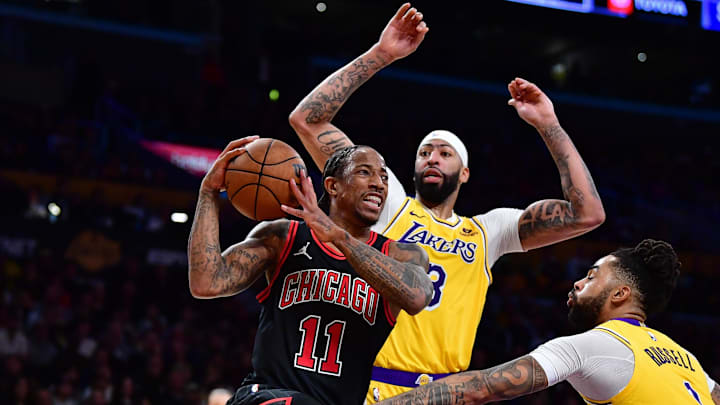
(404, 378)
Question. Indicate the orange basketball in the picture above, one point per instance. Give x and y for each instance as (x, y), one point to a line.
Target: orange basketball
(257, 181)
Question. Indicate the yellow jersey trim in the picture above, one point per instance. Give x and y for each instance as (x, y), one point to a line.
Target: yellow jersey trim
(397, 215)
(488, 273)
(616, 335)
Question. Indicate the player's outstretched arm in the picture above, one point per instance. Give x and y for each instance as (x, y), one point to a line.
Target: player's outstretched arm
(716, 394)
(400, 279)
(513, 379)
(311, 118)
(215, 274)
(549, 221)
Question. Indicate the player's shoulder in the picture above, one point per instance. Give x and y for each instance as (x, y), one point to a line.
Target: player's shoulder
(497, 218)
(278, 228)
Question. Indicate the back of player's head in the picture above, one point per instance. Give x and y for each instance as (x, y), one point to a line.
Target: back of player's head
(335, 167)
(652, 269)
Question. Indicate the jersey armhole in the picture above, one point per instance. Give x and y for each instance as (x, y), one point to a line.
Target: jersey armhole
(388, 313)
(292, 230)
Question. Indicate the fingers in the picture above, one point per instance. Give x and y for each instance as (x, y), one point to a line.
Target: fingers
(422, 28)
(229, 155)
(308, 188)
(299, 196)
(293, 211)
(240, 142)
(401, 11)
(514, 90)
(409, 15)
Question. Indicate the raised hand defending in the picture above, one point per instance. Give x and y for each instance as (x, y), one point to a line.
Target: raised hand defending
(403, 34)
(531, 104)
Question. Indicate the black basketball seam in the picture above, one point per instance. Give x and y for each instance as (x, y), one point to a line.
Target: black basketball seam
(270, 164)
(281, 162)
(238, 190)
(262, 166)
(252, 158)
(252, 172)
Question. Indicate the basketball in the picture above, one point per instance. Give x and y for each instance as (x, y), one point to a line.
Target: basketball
(257, 181)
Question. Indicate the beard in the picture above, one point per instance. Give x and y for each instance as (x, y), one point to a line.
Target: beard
(585, 316)
(436, 193)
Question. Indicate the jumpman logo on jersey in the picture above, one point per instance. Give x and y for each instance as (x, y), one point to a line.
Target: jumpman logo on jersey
(303, 251)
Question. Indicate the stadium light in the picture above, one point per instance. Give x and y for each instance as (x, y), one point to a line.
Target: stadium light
(179, 217)
(54, 209)
(321, 7)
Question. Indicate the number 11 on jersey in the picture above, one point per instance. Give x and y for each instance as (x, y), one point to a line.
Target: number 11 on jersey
(305, 359)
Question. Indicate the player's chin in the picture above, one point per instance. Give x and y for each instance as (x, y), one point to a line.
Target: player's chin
(368, 216)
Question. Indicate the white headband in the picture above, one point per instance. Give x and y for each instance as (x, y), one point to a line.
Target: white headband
(451, 139)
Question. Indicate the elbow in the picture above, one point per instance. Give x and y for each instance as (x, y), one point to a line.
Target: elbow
(297, 122)
(413, 308)
(200, 290)
(421, 300)
(594, 219)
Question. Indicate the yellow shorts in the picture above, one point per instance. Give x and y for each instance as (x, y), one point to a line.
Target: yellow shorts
(386, 383)
(379, 391)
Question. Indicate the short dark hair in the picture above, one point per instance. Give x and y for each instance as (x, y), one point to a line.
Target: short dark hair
(335, 167)
(652, 268)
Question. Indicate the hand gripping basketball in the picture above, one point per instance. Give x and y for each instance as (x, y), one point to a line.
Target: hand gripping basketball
(314, 217)
(214, 180)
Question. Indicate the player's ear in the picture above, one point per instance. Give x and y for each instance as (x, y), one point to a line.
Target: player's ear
(331, 184)
(464, 175)
(621, 294)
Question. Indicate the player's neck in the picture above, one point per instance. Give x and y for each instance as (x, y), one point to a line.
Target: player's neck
(442, 210)
(356, 230)
(625, 313)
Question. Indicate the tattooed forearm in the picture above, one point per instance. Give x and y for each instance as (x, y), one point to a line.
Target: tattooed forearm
(549, 221)
(716, 394)
(213, 273)
(332, 141)
(323, 103)
(403, 281)
(519, 377)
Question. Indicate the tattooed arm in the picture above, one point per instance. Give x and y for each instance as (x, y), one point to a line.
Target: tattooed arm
(311, 118)
(215, 274)
(549, 221)
(401, 277)
(715, 394)
(516, 378)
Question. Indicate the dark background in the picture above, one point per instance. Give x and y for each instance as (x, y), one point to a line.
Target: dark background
(95, 303)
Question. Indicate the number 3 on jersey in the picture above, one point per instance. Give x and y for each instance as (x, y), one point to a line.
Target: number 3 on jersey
(437, 276)
(306, 359)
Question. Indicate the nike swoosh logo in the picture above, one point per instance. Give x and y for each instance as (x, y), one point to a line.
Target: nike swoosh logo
(416, 215)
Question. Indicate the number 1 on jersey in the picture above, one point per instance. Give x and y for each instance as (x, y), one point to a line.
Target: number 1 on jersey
(305, 359)
(692, 392)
